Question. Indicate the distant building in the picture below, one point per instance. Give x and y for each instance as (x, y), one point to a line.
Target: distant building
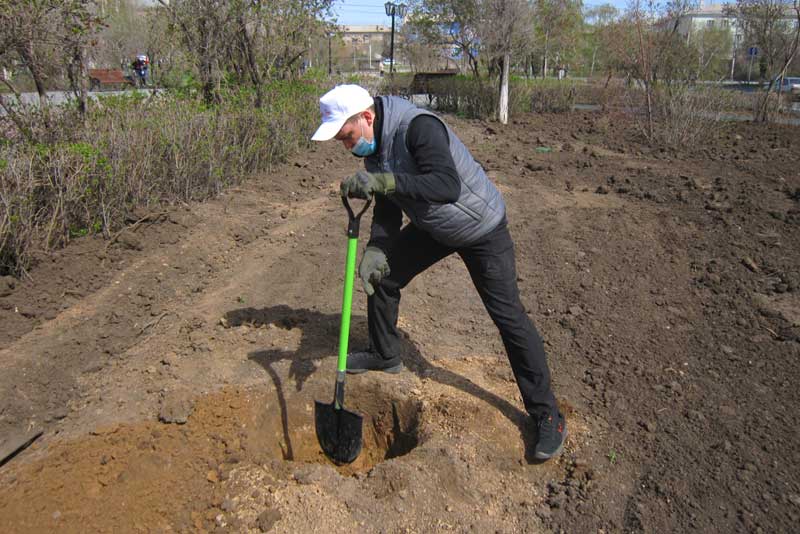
(365, 33)
(706, 16)
(369, 44)
(713, 16)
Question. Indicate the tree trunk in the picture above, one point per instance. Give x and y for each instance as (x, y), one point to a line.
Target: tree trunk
(206, 78)
(546, 51)
(252, 64)
(26, 52)
(648, 87)
(77, 79)
(647, 78)
(763, 113)
(473, 63)
(502, 113)
(209, 92)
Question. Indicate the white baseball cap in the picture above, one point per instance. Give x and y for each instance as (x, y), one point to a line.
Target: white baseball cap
(338, 105)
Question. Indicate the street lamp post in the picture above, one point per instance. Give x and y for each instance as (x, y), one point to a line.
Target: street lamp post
(393, 9)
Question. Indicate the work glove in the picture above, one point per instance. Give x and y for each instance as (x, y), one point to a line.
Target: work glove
(372, 269)
(365, 184)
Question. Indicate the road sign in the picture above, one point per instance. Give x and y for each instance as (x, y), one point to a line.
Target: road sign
(752, 51)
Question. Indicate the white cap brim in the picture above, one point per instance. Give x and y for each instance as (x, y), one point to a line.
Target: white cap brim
(328, 130)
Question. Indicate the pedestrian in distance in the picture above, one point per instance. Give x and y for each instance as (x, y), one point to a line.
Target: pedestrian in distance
(417, 166)
(141, 67)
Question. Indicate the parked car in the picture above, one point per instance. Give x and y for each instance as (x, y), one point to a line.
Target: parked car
(791, 84)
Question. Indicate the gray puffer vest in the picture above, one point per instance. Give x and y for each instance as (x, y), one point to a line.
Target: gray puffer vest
(479, 208)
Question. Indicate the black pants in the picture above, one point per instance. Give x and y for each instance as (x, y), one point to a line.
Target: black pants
(492, 268)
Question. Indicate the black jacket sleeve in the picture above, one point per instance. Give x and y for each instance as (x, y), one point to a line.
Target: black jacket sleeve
(438, 180)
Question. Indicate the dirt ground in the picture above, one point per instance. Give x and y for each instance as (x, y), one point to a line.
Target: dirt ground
(174, 371)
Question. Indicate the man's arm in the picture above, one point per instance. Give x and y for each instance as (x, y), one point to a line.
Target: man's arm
(438, 179)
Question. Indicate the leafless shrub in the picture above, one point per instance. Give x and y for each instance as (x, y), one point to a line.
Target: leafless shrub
(133, 153)
(608, 93)
(549, 96)
(680, 114)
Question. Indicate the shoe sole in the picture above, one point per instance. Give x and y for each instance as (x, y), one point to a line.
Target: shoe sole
(391, 370)
(545, 456)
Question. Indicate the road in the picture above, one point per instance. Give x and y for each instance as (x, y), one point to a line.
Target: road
(60, 97)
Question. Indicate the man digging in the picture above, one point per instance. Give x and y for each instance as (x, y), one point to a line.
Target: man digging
(416, 165)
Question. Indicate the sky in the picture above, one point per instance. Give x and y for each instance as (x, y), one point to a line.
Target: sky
(351, 12)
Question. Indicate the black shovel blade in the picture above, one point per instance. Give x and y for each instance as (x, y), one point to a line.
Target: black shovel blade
(338, 432)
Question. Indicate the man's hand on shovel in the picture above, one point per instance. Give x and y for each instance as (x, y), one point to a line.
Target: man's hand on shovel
(365, 184)
(373, 268)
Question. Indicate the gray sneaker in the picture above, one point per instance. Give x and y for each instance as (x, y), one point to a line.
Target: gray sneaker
(551, 436)
(367, 360)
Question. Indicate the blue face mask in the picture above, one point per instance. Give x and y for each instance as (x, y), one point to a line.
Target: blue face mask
(364, 148)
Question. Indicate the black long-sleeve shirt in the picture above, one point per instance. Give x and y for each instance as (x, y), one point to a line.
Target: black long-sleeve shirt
(437, 181)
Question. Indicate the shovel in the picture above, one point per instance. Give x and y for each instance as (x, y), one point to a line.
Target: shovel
(338, 429)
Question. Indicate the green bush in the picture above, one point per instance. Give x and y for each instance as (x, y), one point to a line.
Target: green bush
(543, 96)
(472, 98)
(136, 151)
(464, 96)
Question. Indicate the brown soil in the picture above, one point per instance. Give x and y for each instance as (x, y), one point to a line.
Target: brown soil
(174, 372)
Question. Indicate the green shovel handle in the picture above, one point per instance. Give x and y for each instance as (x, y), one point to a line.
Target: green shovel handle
(349, 276)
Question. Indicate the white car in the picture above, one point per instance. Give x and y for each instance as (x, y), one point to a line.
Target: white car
(791, 84)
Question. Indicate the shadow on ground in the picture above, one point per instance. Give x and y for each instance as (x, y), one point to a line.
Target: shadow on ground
(319, 340)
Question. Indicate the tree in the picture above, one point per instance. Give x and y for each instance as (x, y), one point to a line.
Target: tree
(558, 23)
(78, 27)
(488, 32)
(125, 34)
(714, 47)
(453, 22)
(47, 38)
(252, 40)
(505, 27)
(272, 38)
(647, 47)
(201, 24)
(598, 21)
(425, 51)
(24, 27)
(773, 26)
